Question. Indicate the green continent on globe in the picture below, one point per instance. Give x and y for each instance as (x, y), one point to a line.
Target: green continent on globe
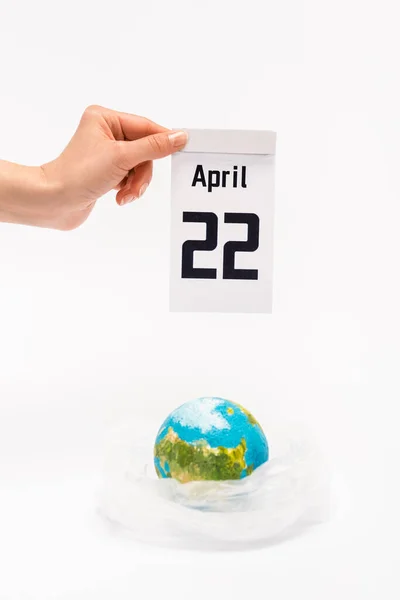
(198, 461)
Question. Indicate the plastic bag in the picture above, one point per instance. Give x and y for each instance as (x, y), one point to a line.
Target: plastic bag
(289, 492)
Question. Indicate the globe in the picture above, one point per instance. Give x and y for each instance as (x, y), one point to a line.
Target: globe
(209, 439)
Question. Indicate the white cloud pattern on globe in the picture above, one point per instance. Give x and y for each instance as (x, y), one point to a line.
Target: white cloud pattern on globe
(201, 414)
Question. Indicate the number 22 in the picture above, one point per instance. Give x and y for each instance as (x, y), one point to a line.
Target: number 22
(210, 243)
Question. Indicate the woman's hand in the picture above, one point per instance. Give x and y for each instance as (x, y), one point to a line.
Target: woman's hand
(110, 150)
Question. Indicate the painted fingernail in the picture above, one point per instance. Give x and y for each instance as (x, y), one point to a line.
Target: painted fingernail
(178, 139)
(127, 199)
(143, 189)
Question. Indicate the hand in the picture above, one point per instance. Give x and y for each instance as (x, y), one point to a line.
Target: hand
(110, 150)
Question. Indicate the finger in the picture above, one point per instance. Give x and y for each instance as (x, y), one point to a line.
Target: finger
(125, 126)
(122, 183)
(151, 147)
(135, 127)
(136, 184)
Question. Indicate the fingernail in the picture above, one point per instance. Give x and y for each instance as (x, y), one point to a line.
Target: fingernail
(127, 199)
(143, 189)
(178, 139)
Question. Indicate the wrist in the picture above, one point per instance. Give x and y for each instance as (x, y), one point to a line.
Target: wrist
(27, 195)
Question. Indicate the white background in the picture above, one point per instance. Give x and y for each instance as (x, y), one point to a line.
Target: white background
(86, 336)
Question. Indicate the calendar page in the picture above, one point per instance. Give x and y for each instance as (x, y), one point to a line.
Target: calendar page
(222, 222)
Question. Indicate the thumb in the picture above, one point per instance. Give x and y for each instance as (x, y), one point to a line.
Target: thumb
(152, 147)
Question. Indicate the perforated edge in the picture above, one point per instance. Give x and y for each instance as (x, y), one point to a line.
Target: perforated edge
(228, 141)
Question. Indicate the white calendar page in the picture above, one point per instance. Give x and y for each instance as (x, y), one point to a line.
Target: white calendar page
(222, 223)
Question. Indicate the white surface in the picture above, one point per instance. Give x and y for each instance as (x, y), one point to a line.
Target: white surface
(86, 337)
(228, 141)
(222, 294)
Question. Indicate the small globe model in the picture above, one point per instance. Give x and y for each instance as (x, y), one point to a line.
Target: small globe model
(209, 439)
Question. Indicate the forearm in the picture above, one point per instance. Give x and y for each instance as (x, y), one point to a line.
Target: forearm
(23, 190)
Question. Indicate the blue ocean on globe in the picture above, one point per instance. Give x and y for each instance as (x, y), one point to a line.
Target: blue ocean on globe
(209, 438)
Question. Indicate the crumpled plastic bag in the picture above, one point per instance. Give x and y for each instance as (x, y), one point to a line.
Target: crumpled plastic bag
(289, 492)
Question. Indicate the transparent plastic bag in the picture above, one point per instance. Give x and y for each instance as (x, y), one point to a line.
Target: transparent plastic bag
(290, 491)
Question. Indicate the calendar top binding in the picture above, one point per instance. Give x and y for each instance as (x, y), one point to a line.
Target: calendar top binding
(231, 141)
